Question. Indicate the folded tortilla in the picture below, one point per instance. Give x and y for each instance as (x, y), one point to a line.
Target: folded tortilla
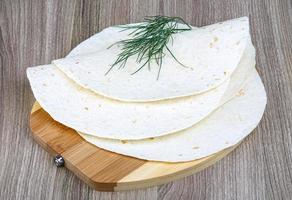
(85, 111)
(211, 54)
(227, 126)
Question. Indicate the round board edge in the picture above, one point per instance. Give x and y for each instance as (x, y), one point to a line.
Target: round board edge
(154, 173)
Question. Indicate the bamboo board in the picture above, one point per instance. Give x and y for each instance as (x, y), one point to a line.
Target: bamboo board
(104, 170)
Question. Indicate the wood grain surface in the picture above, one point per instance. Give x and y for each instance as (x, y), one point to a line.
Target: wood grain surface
(104, 170)
(34, 32)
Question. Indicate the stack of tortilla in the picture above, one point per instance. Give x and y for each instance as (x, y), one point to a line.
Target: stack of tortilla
(188, 113)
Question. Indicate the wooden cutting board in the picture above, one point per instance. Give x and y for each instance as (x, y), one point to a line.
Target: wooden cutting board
(104, 170)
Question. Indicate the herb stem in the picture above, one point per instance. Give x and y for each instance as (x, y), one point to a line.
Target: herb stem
(149, 39)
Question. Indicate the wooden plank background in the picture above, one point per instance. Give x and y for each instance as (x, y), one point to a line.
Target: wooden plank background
(34, 32)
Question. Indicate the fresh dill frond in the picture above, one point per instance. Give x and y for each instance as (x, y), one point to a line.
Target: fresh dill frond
(149, 41)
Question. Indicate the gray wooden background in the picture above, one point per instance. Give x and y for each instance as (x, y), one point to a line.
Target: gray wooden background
(33, 32)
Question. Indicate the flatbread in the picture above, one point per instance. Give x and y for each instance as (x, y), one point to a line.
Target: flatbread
(211, 54)
(85, 111)
(226, 127)
(102, 40)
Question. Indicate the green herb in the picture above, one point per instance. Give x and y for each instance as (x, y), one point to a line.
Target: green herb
(149, 41)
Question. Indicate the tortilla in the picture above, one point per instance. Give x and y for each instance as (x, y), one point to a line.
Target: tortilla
(226, 127)
(102, 40)
(211, 54)
(85, 111)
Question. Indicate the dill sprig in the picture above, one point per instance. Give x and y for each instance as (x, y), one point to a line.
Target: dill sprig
(148, 42)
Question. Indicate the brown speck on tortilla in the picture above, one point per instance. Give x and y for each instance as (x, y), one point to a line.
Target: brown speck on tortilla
(241, 92)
